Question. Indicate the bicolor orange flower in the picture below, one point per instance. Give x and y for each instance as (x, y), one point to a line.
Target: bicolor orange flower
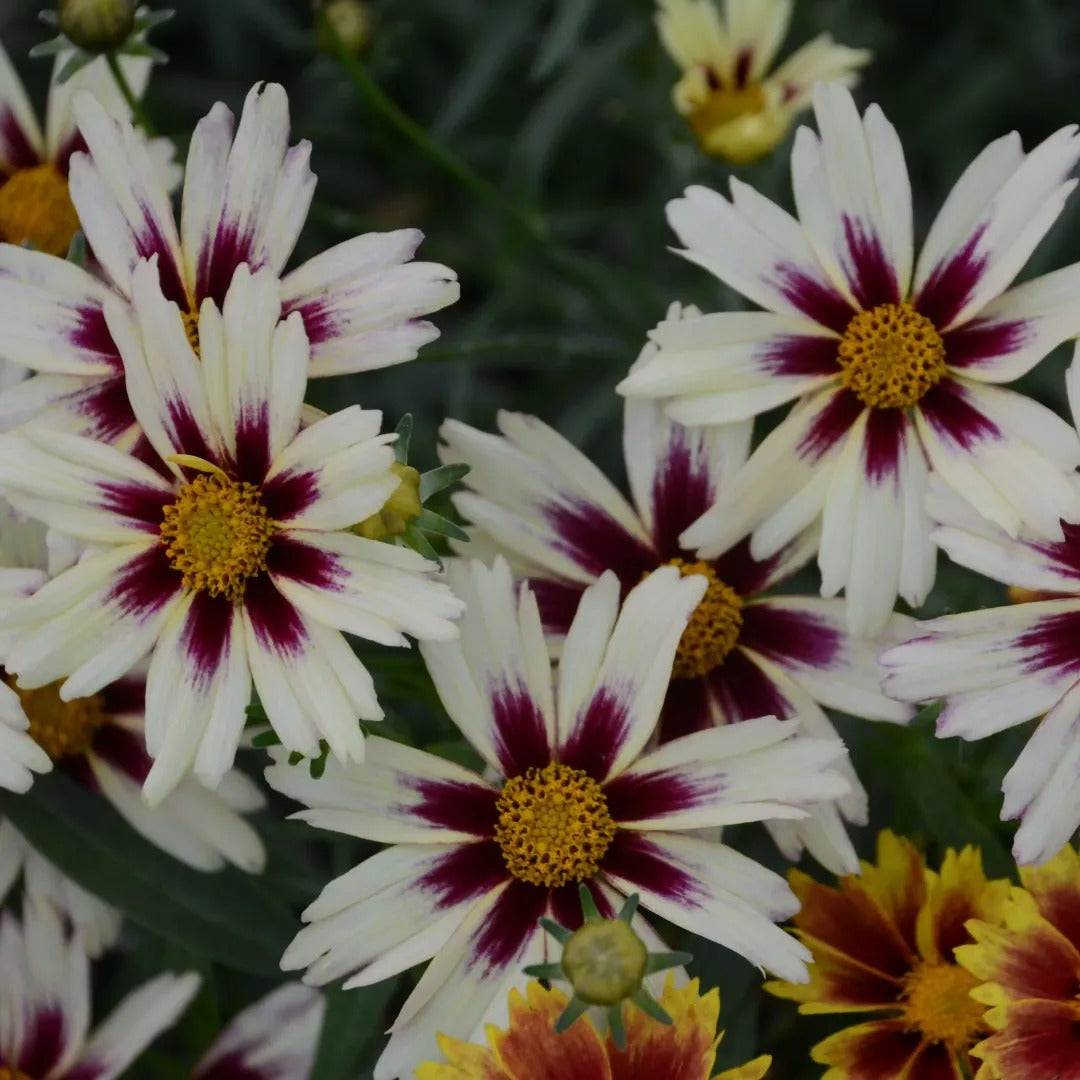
(1031, 967)
(883, 946)
(530, 1048)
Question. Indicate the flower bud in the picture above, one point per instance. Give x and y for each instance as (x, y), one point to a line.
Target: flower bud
(351, 21)
(98, 26)
(398, 510)
(605, 962)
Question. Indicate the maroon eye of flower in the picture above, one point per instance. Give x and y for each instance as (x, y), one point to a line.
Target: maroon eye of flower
(554, 826)
(217, 533)
(8, 1073)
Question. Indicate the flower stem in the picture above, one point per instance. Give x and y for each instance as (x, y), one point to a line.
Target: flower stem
(133, 103)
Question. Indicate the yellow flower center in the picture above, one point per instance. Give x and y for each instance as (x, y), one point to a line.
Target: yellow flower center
(554, 826)
(61, 728)
(605, 962)
(398, 510)
(191, 328)
(36, 209)
(937, 1003)
(217, 534)
(890, 356)
(714, 626)
(723, 104)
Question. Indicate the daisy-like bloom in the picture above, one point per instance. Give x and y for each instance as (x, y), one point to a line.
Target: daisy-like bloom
(1000, 667)
(883, 946)
(747, 651)
(245, 199)
(738, 109)
(1030, 967)
(531, 1049)
(477, 861)
(274, 1039)
(45, 1005)
(35, 206)
(233, 559)
(894, 360)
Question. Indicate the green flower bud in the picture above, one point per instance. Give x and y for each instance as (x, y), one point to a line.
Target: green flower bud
(98, 26)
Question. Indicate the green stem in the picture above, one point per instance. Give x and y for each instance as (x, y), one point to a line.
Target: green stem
(530, 225)
(133, 103)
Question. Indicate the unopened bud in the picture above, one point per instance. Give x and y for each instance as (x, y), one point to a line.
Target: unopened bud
(398, 510)
(605, 962)
(352, 22)
(98, 26)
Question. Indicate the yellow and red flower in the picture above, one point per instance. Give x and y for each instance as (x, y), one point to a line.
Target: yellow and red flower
(1031, 967)
(883, 946)
(531, 1049)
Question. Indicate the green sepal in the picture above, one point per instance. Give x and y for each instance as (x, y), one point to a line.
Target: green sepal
(404, 438)
(150, 19)
(49, 16)
(420, 544)
(630, 904)
(573, 1012)
(76, 252)
(265, 739)
(442, 477)
(661, 960)
(616, 1028)
(430, 522)
(145, 49)
(49, 48)
(550, 971)
(588, 904)
(649, 1005)
(556, 930)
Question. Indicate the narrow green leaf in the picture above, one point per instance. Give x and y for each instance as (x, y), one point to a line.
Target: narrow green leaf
(429, 521)
(420, 543)
(404, 438)
(354, 1020)
(228, 915)
(563, 37)
(436, 480)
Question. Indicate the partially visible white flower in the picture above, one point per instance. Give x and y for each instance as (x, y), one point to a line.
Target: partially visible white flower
(738, 109)
(274, 1039)
(45, 1005)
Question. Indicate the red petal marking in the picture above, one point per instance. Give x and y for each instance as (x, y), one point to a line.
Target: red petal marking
(801, 356)
(1039, 962)
(683, 1050)
(682, 491)
(145, 584)
(124, 750)
(1058, 900)
(742, 691)
(185, 433)
(565, 904)
(290, 493)
(745, 574)
(887, 432)
(952, 282)
(141, 504)
(948, 409)
(520, 738)
(1041, 1039)
(874, 279)
(15, 147)
(447, 804)
(74, 144)
(105, 407)
(44, 1039)
(253, 443)
(1065, 554)
(685, 709)
(785, 635)
(597, 542)
(1053, 644)
(125, 697)
(936, 1061)
(149, 241)
(638, 860)
(816, 300)
(657, 793)
(743, 59)
(879, 1050)
(975, 342)
(306, 564)
(598, 734)
(499, 943)
(277, 624)
(558, 602)
(228, 248)
(205, 637)
(830, 426)
(465, 872)
(92, 335)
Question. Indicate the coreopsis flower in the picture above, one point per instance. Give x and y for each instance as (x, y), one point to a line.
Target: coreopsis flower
(233, 559)
(748, 650)
(477, 860)
(737, 108)
(883, 946)
(894, 361)
(1029, 969)
(45, 1004)
(1000, 667)
(35, 205)
(245, 198)
(531, 1049)
(274, 1039)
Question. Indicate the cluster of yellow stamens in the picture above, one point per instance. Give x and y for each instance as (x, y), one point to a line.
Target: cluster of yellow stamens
(714, 626)
(36, 209)
(554, 826)
(217, 534)
(938, 1004)
(61, 728)
(191, 328)
(890, 356)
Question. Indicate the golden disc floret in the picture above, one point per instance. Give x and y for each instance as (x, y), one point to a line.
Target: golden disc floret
(191, 328)
(63, 729)
(217, 533)
(36, 209)
(553, 826)
(605, 961)
(938, 1003)
(890, 356)
(714, 626)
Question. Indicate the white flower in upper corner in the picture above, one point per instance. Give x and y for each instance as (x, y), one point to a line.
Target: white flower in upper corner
(894, 361)
(232, 559)
(570, 798)
(737, 108)
(45, 1005)
(35, 206)
(749, 650)
(274, 1039)
(246, 195)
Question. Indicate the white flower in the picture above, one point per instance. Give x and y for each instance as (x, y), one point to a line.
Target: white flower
(463, 882)
(893, 360)
(246, 195)
(274, 1039)
(45, 1005)
(748, 650)
(232, 558)
(736, 107)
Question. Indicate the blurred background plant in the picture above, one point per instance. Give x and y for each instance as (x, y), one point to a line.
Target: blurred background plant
(535, 144)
